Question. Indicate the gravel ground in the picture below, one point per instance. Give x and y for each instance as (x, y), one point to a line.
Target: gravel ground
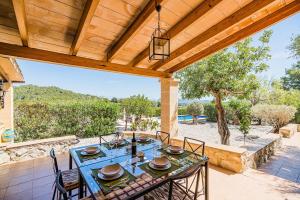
(208, 132)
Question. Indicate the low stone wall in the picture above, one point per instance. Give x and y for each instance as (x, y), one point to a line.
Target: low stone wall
(262, 155)
(227, 157)
(34, 149)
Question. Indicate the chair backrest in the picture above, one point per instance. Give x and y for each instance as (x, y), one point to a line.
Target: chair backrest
(62, 192)
(193, 145)
(104, 139)
(55, 165)
(164, 137)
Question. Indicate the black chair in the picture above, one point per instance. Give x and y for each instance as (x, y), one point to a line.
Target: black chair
(197, 148)
(164, 137)
(174, 190)
(62, 192)
(70, 178)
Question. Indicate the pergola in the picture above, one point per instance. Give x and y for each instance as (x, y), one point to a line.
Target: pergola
(113, 35)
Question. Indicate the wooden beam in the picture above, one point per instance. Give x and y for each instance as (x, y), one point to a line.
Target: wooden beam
(269, 20)
(19, 8)
(85, 20)
(195, 14)
(140, 20)
(64, 59)
(226, 23)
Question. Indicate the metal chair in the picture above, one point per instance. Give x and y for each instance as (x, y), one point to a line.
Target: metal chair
(62, 192)
(197, 148)
(164, 137)
(70, 178)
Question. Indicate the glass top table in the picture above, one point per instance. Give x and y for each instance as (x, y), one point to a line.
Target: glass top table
(138, 178)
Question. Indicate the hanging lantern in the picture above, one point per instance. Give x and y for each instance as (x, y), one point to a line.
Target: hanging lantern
(2, 94)
(159, 48)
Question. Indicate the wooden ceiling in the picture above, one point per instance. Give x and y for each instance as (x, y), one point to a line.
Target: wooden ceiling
(10, 71)
(113, 35)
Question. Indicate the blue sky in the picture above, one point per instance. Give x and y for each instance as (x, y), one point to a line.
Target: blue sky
(119, 85)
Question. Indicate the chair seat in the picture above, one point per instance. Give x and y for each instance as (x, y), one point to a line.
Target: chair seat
(86, 198)
(162, 192)
(70, 179)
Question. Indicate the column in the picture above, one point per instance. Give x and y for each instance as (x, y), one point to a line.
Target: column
(169, 105)
(6, 113)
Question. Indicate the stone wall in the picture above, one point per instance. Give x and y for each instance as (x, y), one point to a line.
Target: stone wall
(289, 130)
(262, 155)
(34, 149)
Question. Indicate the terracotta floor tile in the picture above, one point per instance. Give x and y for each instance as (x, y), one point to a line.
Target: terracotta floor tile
(24, 195)
(42, 190)
(21, 172)
(2, 193)
(23, 187)
(44, 197)
(4, 181)
(23, 165)
(4, 171)
(20, 179)
(43, 181)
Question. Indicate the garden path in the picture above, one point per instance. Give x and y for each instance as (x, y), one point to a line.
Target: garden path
(286, 163)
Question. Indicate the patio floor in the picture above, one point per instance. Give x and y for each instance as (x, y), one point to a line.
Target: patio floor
(279, 179)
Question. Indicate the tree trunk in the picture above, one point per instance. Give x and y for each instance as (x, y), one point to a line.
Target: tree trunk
(194, 119)
(221, 120)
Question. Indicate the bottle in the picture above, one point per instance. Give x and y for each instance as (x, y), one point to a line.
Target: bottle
(133, 145)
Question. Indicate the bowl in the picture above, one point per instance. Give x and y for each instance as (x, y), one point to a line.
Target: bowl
(111, 170)
(175, 149)
(143, 138)
(91, 150)
(160, 162)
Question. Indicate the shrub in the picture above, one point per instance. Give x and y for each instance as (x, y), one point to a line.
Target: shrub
(210, 112)
(236, 109)
(195, 109)
(275, 115)
(182, 110)
(84, 119)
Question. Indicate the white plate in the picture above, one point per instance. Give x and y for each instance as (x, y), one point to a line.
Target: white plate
(168, 166)
(101, 176)
(84, 153)
(172, 152)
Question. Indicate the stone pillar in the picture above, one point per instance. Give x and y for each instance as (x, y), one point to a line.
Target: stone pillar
(6, 114)
(169, 105)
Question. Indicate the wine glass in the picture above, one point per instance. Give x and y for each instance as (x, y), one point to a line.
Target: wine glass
(111, 145)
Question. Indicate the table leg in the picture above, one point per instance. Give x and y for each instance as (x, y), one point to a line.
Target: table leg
(70, 161)
(206, 181)
(80, 192)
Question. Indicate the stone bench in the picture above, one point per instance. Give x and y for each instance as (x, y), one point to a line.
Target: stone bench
(289, 130)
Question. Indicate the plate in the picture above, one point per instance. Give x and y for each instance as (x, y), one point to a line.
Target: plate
(175, 153)
(168, 166)
(143, 139)
(160, 162)
(84, 153)
(111, 170)
(101, 176)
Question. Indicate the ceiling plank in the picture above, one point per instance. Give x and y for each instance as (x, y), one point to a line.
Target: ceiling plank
(85, 20)
(19, 8)
(269, 20)
(226, 23)
(195, 14)
(64, 59)
(140, 20)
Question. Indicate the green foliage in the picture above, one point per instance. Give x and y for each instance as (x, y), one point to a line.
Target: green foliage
(146, 124)
(32, 93)
(275, 115)
(138, 105)
(228, 73)
(238, 109)
(84, 119)
(210, 112)
(182, 110)
(195, 109)
(292, 78)
(294, 47)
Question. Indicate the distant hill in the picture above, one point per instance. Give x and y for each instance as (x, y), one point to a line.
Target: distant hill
(33, 93)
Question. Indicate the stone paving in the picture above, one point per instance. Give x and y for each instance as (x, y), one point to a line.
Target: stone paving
(276, 180)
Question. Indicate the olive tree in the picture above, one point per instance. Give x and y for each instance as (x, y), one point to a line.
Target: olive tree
(230, 72)
(195, 109)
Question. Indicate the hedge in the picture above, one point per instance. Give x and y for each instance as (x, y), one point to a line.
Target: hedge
(83, 119)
